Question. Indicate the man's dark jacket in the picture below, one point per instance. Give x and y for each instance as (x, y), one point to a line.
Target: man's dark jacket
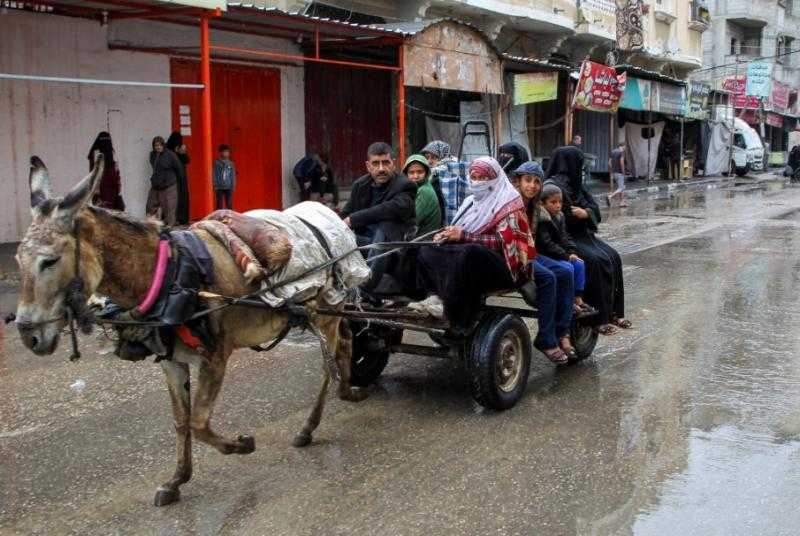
(395, 207)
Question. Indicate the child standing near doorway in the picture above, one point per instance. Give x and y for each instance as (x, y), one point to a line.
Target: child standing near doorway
(224, 178)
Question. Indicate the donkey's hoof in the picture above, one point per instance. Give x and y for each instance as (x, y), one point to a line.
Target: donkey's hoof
(302, 439)
(246, 444)
(165, 496)
(354, 395)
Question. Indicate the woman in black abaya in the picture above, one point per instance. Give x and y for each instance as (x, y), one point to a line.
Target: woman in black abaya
(175, 144)
(605, 289)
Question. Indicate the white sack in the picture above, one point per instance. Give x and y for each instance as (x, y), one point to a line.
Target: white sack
(307, 253)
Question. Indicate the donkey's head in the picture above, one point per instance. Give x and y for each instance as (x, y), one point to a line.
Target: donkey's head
(47, 258)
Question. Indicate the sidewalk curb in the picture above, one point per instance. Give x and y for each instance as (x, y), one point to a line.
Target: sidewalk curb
(710, 183)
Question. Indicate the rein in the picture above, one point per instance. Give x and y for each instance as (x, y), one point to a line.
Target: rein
(78, 313)
(80, 317)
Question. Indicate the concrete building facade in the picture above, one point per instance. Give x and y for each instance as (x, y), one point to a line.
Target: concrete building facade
(744, 30)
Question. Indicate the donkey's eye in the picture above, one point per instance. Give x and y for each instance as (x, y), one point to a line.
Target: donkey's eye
(47, 263)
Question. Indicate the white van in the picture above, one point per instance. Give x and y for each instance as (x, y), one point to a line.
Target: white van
(748, 151)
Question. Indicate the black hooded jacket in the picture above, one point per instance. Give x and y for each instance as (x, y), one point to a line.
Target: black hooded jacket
(552, 238)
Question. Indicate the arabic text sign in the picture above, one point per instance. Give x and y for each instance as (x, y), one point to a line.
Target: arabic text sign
(736, 85)
(535, 87)
(671, 99)
(697, 104)
(599, 88)
(759, 78)
(780, 96)
(774, 120)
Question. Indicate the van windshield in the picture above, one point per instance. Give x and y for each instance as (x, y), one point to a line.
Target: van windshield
(738, 141)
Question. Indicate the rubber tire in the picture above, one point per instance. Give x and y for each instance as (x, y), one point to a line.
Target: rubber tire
(584, 339)
(741, 172)
(482, 360)
(367, 366)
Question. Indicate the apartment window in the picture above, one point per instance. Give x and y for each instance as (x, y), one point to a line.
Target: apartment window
(751, 42)
(783, 50)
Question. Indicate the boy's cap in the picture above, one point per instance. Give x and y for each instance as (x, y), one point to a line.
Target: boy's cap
(531, 167)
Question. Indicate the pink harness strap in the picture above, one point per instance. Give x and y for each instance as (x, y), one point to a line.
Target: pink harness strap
(158, 279)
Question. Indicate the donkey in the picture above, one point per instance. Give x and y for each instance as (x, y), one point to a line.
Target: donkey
(110, 253)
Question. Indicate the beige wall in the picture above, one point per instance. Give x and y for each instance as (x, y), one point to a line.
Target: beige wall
(59, 121)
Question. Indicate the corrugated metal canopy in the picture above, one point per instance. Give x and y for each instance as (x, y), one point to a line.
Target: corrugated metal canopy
(646, 74)
(245, 17)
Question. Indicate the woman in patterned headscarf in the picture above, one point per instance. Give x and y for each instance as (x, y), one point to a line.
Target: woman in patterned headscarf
(488, 247)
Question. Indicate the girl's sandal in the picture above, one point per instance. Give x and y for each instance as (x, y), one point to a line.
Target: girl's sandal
(556, 356)
(570, 351)
(623, 323)
(606, 329)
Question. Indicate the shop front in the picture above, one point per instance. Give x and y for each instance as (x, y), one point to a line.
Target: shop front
(652, 115)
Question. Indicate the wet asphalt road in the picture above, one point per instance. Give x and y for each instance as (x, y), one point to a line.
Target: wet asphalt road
(687, 424)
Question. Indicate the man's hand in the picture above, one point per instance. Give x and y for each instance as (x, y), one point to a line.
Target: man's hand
(348, 222)
(449, 234)
(580, 213)
(574, 257)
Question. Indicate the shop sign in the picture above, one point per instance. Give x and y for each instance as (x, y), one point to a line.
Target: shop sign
(535, 87)
(697, 103)
(736, 85)
(759, 78)
(779, 99)
(646, 95)
(671, 99)
(774, 120)
(637, 95)
(599, 88)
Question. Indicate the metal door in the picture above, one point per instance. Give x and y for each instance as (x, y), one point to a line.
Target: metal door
(245, 115)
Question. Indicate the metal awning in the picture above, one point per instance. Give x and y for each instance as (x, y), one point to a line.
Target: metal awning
(646, 74)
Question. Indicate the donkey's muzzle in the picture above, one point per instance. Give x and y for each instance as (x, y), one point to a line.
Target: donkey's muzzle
(35, 338)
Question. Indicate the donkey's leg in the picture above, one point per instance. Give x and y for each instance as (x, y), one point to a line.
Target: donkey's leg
(338, 341)
(177, 375)
(209, 383)
(342, 346)
(304, 438)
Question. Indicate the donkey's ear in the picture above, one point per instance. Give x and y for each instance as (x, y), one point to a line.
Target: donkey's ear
(40, 183)
(82, 193)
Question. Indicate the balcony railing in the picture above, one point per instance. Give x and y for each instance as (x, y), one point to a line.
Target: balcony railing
(700, 18)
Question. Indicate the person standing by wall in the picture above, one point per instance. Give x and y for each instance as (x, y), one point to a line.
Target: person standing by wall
(109, 194)
(175, 144)
(167, 169)
(224, 178)
(616, 163)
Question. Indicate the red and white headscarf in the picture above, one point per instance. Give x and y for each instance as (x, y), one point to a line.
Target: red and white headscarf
(490, 201)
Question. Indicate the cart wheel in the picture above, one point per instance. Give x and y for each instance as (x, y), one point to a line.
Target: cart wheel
(499, 361)
(584, 339)
(371, 354)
